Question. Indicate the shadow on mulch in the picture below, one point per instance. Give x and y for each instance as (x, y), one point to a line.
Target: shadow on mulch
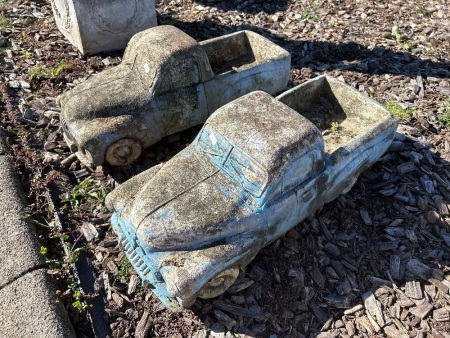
(330, 56)
(249, 6)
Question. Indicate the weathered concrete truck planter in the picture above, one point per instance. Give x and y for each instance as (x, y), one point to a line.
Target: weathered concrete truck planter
(167, 82)
(95, 26)
(256, 169)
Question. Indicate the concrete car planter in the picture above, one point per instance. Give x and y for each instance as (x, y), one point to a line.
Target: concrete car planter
(257, 168)
(95, 26)
(167, 82)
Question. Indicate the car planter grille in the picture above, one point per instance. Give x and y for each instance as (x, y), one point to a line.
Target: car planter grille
(257, 168)
(135, 254)
(148, 274)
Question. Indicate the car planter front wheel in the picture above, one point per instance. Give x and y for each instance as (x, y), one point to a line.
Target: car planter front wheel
(219, 283)
(123, 152)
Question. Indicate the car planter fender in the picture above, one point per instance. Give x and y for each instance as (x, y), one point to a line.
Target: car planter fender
(259, 166)
(167, 82)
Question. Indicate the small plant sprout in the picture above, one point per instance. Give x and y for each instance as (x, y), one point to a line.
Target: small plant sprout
(307, 16)
(402, 39)
(421, 10)
(78, 303)
(26, 54)
(61, 265)
(92, 194)
(334, 127)
(125, 269)
(444, 116)
(43, 73)
(43, 251)
(397, 35)
(396, 109)
(5, 23)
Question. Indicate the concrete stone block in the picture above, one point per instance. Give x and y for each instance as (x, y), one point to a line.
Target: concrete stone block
(29, 308)
(95, 26)
(19, 249)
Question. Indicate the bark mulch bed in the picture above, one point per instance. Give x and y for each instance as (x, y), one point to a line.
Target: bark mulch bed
(374, 262)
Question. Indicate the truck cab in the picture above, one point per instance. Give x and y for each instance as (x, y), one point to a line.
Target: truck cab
(259, 166)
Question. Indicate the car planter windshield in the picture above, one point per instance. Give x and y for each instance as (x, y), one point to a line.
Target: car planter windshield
(257, 168)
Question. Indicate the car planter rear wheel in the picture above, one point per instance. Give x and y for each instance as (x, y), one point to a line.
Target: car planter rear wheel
(219, 283)
(123, 152)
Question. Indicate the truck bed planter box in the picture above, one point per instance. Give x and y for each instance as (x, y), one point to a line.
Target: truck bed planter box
(257, 168)
(167, 82)
(95, 26)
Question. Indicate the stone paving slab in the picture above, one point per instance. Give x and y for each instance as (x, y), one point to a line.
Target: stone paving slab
(29, 309)
(28, 306)
(19, 248)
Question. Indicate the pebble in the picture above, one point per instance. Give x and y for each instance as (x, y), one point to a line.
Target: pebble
(217, 330)
(29, 114)
(106, 61)
(14, 84)
(396, 146)
(399, 137)
(427, 184)
(51, 114)
(353, 309)
(432, 216)
(25, 84)
(422, 145)
(415, 157)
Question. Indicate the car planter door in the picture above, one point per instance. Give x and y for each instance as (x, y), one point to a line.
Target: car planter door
(181, 96)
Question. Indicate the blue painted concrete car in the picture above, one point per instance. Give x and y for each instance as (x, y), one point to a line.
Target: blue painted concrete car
(257, 168)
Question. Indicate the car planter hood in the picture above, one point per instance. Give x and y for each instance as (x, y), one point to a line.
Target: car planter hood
(256, 169)
(167, 82)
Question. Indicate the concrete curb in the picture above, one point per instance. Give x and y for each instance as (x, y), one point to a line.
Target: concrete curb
(29, 307)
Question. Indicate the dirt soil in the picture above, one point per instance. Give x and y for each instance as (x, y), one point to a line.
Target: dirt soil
(373, 263)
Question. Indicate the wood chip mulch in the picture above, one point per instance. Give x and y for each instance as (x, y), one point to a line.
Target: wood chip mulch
(373, 263)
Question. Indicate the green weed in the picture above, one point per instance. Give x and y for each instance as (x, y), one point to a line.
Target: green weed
(43, 73)
(72, 254)
(125, 269)
(61, 267)
(396, 109)
(445, 119)
(445, 113)
(334, 127)
(26, 54)
(3, 3)
(402, 39)
(429, 51)
(306, 16)
(78, 303)
(421, 10)
(86, 192)
(410, 45)
(397, 35)
(5, 23)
